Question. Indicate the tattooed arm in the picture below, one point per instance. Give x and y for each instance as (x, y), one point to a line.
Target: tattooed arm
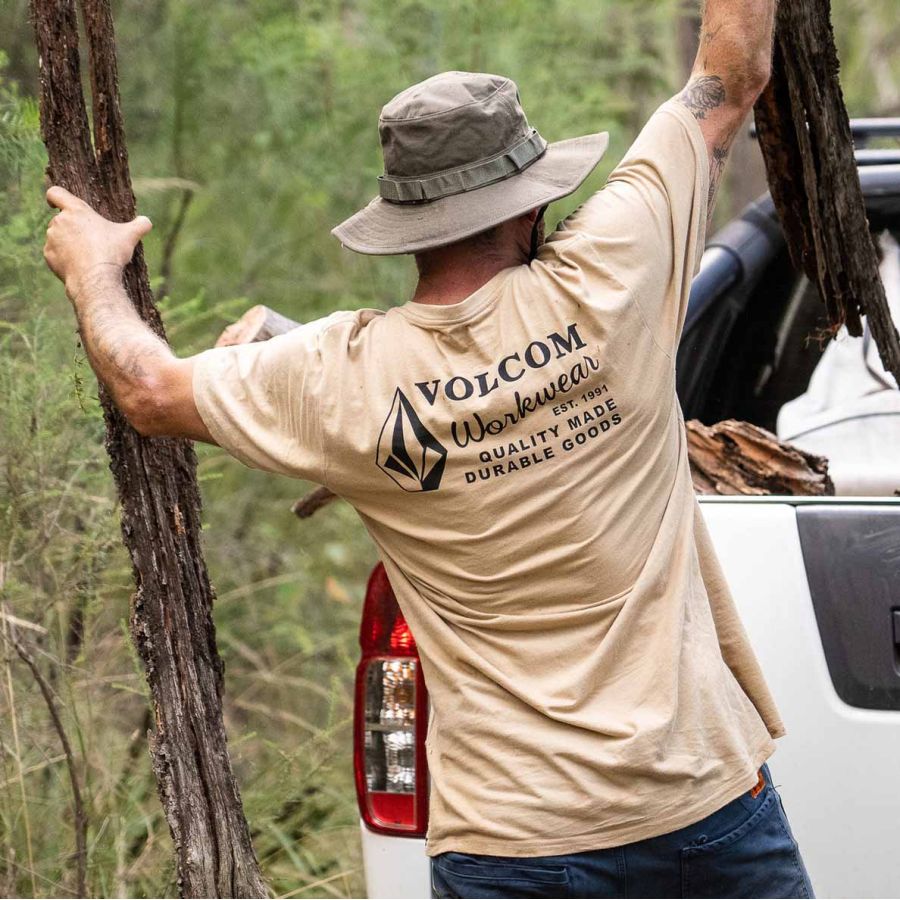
(147, 381)
(732, 68)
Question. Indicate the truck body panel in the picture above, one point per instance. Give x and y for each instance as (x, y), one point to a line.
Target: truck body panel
(837, 766)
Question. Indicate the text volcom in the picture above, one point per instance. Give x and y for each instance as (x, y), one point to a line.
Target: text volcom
(509, 369)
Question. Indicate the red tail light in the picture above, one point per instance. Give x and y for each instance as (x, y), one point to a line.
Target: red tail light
(390, 718)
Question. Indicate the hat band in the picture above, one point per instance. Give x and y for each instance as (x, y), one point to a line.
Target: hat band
(414, 189)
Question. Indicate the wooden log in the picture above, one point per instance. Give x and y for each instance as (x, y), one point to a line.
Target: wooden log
(804, 133)
(259, 323)
(734, 457)
(312, 502)
(171, 613)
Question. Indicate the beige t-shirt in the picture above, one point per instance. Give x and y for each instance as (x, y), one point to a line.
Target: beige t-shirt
(519, 458)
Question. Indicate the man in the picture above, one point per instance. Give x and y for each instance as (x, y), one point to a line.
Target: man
(512, 441)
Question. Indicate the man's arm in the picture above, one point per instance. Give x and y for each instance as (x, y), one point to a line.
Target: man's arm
(149, 384)
(733, 66)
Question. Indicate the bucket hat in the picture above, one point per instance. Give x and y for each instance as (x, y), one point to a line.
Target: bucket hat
(459, 158)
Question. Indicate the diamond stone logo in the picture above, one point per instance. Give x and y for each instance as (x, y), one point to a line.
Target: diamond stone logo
(407, 451)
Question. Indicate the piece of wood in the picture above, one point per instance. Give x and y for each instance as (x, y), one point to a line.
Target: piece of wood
(804, 134)
(313, 502)
(734, 457)
(259, 323)
(171, 614)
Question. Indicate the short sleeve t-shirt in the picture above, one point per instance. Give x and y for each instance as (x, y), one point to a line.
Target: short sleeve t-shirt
(519, 459)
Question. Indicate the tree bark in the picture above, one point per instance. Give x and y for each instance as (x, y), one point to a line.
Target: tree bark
(734, 457)
(313, 501)
(171, 613)
(804, 133)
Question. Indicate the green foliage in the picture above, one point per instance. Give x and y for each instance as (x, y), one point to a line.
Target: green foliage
(263, 116)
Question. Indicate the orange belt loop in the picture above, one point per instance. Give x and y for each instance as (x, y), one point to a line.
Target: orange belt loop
(760, 784)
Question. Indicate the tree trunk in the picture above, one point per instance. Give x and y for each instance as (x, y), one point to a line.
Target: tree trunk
(805, 138)
(171, 615)
(734, 457)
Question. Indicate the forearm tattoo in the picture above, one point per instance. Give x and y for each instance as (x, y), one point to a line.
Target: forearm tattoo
(716, 167)
(702, 95)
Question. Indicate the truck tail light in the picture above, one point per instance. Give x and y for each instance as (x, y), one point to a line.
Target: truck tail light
(390, 718)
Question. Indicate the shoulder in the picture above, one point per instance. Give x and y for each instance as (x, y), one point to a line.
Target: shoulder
(349, 320)
(346, 326)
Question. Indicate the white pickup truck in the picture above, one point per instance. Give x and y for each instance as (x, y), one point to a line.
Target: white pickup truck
(817, 582)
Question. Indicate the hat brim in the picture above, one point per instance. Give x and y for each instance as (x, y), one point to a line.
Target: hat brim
(384, 229)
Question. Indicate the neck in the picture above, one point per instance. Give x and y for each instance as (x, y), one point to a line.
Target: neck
(450, 274)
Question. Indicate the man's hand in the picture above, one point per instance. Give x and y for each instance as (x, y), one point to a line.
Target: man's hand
(81, 243)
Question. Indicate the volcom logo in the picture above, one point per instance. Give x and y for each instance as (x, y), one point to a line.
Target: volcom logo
(407, 451)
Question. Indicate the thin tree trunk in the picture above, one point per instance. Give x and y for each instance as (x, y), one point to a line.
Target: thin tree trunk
(804, 133)
(312, 502)
(79, 815)
(171, 616)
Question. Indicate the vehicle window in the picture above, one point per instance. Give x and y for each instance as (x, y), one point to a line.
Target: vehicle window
(762, 354)
(849, 411)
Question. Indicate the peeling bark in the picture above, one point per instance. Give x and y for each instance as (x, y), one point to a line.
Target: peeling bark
(171, 614)
(804, 133)
(734, 457)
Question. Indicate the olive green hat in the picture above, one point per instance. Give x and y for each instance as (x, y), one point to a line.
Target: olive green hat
(459, 158)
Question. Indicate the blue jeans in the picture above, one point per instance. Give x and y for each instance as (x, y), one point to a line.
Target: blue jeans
(745, 849)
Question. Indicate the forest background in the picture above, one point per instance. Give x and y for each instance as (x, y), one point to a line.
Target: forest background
(252, 131)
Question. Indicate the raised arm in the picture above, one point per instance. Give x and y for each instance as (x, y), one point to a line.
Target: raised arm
(732, 67)
(149, 384)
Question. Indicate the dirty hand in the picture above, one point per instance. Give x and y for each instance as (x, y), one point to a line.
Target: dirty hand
(81, 243)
